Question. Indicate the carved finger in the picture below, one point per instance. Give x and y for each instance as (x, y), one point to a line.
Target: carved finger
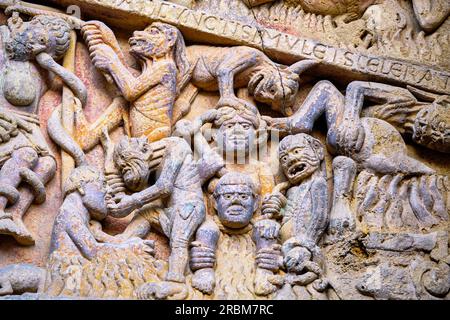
(268, 266)
(424, 193)
(197, 266)
(8, 126)
(419, 210)
(4, 135)
(438, 199)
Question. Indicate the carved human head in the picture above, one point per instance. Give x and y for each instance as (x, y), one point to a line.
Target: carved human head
(236, 199)
(91, 185)
(300, 156)
(237, 128)
(278, 85)
(41, 34)
(131, 156)
(432, 125)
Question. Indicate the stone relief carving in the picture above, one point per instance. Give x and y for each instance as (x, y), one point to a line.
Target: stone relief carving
(232, 166)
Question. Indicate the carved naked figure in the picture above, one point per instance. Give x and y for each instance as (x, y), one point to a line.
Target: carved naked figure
(21, 278)
(25, 155)
(224, 69)
(237, 132)
(160, 50)
(177, 185)
(85, 192)
(227, 264)
(379, 153)
(304, 218)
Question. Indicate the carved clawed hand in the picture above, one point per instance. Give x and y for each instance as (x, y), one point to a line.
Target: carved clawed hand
(10, 125)
(139, 246)
(273, 203)
(277, 124)
(350, 137)
(103, 57)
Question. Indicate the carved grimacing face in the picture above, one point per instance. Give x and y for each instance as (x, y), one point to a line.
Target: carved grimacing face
(235, 205)
(299, 159)
(237, 135)
(277, 88)
(151, 42)
(432, 129)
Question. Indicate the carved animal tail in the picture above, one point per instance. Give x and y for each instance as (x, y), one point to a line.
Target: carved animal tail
(63, 139)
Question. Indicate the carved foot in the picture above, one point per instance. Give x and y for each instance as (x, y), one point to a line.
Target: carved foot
(204, 280)
(17, 230)
(165, 290)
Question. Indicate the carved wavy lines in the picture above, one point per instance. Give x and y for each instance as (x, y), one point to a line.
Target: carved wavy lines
(409, 203)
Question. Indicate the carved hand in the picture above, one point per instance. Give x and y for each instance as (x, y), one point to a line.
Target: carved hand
(350, 137)
(277, 124)
(140, 246)
(96, 32)
(201, 256)
(273, 203)
(270, 258)
(122, 205)
(296, 259)
(103, 57)
(9, 125)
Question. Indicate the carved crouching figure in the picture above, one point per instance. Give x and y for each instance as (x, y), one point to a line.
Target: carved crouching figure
(177, 186)
(304, 216)
(224, 69)
(25, 155)
(21, 278)
(226, 262)
(376, 150)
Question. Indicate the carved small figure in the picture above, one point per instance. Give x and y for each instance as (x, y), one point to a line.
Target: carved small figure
(177, 185)
(305, 215)
(26, 157)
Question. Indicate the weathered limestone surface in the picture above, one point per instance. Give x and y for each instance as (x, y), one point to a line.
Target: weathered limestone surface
(213, 149)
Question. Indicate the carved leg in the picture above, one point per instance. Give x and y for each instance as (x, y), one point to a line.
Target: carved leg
(184, 226)
(203, 256)
(42, 173)
(88, 135)
(268, 255)
(341, 216)
(10, 177)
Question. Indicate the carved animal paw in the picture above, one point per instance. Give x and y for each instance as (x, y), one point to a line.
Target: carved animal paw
(204, 280)
(165, 290)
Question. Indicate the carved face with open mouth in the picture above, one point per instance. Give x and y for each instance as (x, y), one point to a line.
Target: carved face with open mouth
(152, 42)
(300, 156)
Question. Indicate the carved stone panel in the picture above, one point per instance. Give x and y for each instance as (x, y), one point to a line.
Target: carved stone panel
(213, 150)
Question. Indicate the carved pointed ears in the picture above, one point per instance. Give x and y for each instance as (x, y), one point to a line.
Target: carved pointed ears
(302, 66)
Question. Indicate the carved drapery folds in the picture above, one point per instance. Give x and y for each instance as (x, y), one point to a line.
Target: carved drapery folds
(273, 150)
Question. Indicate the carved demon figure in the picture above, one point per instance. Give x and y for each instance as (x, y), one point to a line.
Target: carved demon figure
(25, 155)
(304, 216)
(160, 50)
(177, 188)
(224, 69)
